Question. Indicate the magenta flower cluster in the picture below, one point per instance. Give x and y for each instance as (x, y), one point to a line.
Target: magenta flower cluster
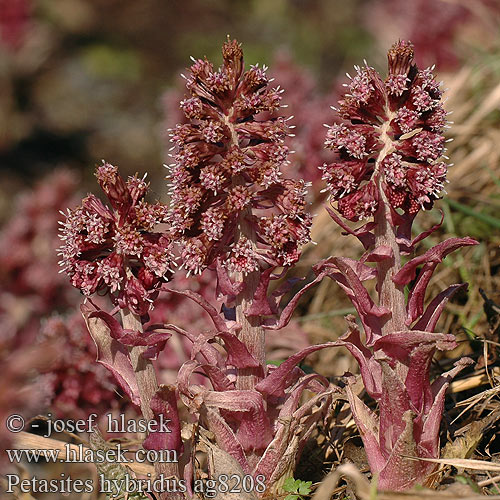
(15, 21)
(229, 200)
(77, 385)
(117, 249)
(388, 168)
(400, 119)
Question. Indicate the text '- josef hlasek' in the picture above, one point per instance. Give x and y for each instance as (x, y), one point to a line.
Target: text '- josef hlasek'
(16, 423)
(114, 425)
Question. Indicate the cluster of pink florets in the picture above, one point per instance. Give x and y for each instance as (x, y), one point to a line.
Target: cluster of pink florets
(229, 200)
(76, 384)
(30, 287)
(117, 250)
(390, 142)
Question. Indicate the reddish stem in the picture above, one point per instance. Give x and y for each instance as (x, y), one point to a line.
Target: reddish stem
(148, 386)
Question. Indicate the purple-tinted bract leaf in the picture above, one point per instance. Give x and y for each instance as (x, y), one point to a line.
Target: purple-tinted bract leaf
(287, 312)
(370, 369)
(226, 287)
(403, 235)
(415, 349)
(429, 438)
(428, 232)
(113, 355)
(278, 380)
(184, 377)
(218, 378)
(428, 320)
(394, 403)
(211, 354)
(164, 403)
(400, 472)
(348, 277)
(237, 352)
(434, 255)
(219, 323)
(309, 382)
(261, 305)
(254, 430)
(380, 253)
(430, 260)
(363, 233)
(152, 339)
(368, 425)
(226, 438)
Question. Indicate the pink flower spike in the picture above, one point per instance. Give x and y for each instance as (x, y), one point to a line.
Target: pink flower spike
(229, 159)
(389, 140)
(118, 250)
(388, 168)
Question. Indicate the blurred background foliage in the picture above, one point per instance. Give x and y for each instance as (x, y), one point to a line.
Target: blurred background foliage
(86, 80)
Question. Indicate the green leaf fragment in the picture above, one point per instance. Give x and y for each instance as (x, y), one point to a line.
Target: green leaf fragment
(305, 488)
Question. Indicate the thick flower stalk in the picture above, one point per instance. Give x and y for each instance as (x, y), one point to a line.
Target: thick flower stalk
(389, 167)
(120, 251)
(234, 211)
(231, 206)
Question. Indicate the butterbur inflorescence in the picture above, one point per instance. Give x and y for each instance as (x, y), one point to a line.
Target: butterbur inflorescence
(78, 386)
(400, 121)
(232, 208)
(117, 249)
(28, 262)
(229, 199)
(388, 168)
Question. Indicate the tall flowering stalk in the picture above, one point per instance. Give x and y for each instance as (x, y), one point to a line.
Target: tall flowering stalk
(387, 169)
(117, 250)
(233, 210)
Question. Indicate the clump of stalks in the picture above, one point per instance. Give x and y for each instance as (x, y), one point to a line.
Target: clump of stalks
(234, 211)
